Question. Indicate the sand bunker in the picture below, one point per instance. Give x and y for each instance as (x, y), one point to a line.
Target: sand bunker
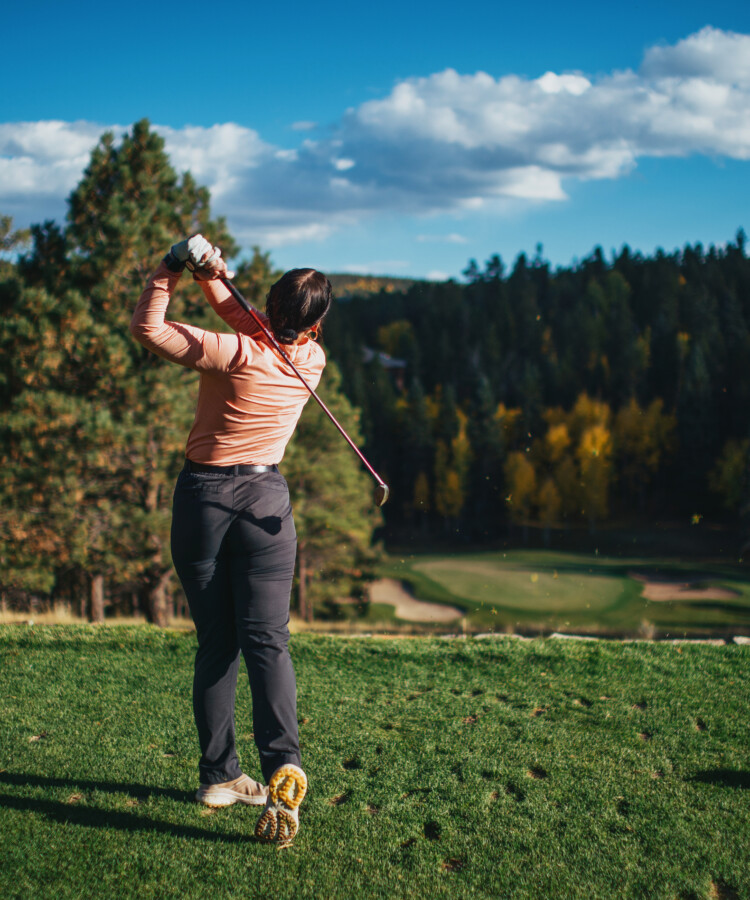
(392, 592)
(660, 589)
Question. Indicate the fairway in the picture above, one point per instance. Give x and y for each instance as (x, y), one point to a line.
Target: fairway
(492, 580)
(438, 768)
(573, 591)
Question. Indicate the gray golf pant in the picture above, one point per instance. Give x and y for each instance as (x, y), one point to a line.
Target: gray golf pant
(234, 546)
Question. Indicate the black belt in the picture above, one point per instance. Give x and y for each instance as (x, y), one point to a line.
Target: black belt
(239, 469)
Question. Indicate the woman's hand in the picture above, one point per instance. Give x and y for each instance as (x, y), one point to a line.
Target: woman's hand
(213, 268)
(202, 258)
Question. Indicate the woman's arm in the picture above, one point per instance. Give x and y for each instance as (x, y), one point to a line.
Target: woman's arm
(183, 344)
(208, 267)
(227, 307)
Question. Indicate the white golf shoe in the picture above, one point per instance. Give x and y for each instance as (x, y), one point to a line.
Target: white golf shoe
(241, 790)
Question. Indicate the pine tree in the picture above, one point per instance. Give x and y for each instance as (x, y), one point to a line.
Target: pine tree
(38, 452)
(549, 504)
(255, 276)
(485, 477)
(11, 242)
(332, 501)
(98, 433)
(520, 479)
(418, 450)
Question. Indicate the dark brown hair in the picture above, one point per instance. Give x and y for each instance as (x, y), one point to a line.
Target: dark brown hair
(298, 300)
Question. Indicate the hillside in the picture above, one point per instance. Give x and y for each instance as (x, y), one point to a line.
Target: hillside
(348, 285)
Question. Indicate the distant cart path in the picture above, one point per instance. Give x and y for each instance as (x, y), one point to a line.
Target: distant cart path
(408, 608)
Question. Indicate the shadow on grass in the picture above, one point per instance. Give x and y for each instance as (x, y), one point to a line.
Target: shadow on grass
(138, 791)
(100, 818)
(732, 778)
(67, 814)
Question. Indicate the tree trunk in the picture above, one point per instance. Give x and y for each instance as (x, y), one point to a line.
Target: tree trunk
(157, 602)
(80, 593)
(97, 598)
(305, 604)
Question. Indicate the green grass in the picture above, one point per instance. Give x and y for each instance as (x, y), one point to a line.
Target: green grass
(438, 768)
(556, 590)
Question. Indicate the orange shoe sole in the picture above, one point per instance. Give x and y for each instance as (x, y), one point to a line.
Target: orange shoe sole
(279, 822)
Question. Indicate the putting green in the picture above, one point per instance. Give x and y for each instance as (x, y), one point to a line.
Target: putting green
(492, 581)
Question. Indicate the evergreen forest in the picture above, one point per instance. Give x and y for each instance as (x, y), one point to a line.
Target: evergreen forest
(613, 389)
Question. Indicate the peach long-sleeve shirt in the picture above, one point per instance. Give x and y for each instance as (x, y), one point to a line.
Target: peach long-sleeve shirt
(249, 400)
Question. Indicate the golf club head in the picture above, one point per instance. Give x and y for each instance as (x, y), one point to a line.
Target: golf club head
(381, 494)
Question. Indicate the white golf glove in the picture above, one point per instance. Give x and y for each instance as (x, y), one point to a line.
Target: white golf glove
(195, 252)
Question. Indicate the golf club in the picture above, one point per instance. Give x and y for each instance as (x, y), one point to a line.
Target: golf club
(381, 488)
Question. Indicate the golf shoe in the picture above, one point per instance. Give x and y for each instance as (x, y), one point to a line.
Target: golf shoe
(241, 790)
(279, 821)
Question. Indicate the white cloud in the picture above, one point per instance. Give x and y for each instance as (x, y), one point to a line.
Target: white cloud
(41, 163)
(442, 239)
(449, 142)
(281, 237)
(221, 157)
(710, 53)
(470, 203)
(44, 158)
(551, 83)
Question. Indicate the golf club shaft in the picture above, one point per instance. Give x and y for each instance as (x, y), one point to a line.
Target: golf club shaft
(269, 334)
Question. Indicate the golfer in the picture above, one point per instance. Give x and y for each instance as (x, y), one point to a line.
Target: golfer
(233, 537)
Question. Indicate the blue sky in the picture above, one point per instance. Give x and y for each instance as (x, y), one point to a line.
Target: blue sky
(363, 138)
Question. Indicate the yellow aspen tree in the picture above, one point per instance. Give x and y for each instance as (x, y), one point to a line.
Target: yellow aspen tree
(433, 404)
(449, 497)
(509, 422)
(586, 413)
(461, 450)
(520, 479)
(642, 438)
(594, 456)
(556, 442)
(395, 337)
(549, 504)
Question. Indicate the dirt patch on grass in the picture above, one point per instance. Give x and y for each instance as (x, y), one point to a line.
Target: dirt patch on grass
(408, 608)
(663, 589)
(720, 890)
(453, 864)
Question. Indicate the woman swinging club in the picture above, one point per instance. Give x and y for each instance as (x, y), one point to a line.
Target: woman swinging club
(233, 537)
